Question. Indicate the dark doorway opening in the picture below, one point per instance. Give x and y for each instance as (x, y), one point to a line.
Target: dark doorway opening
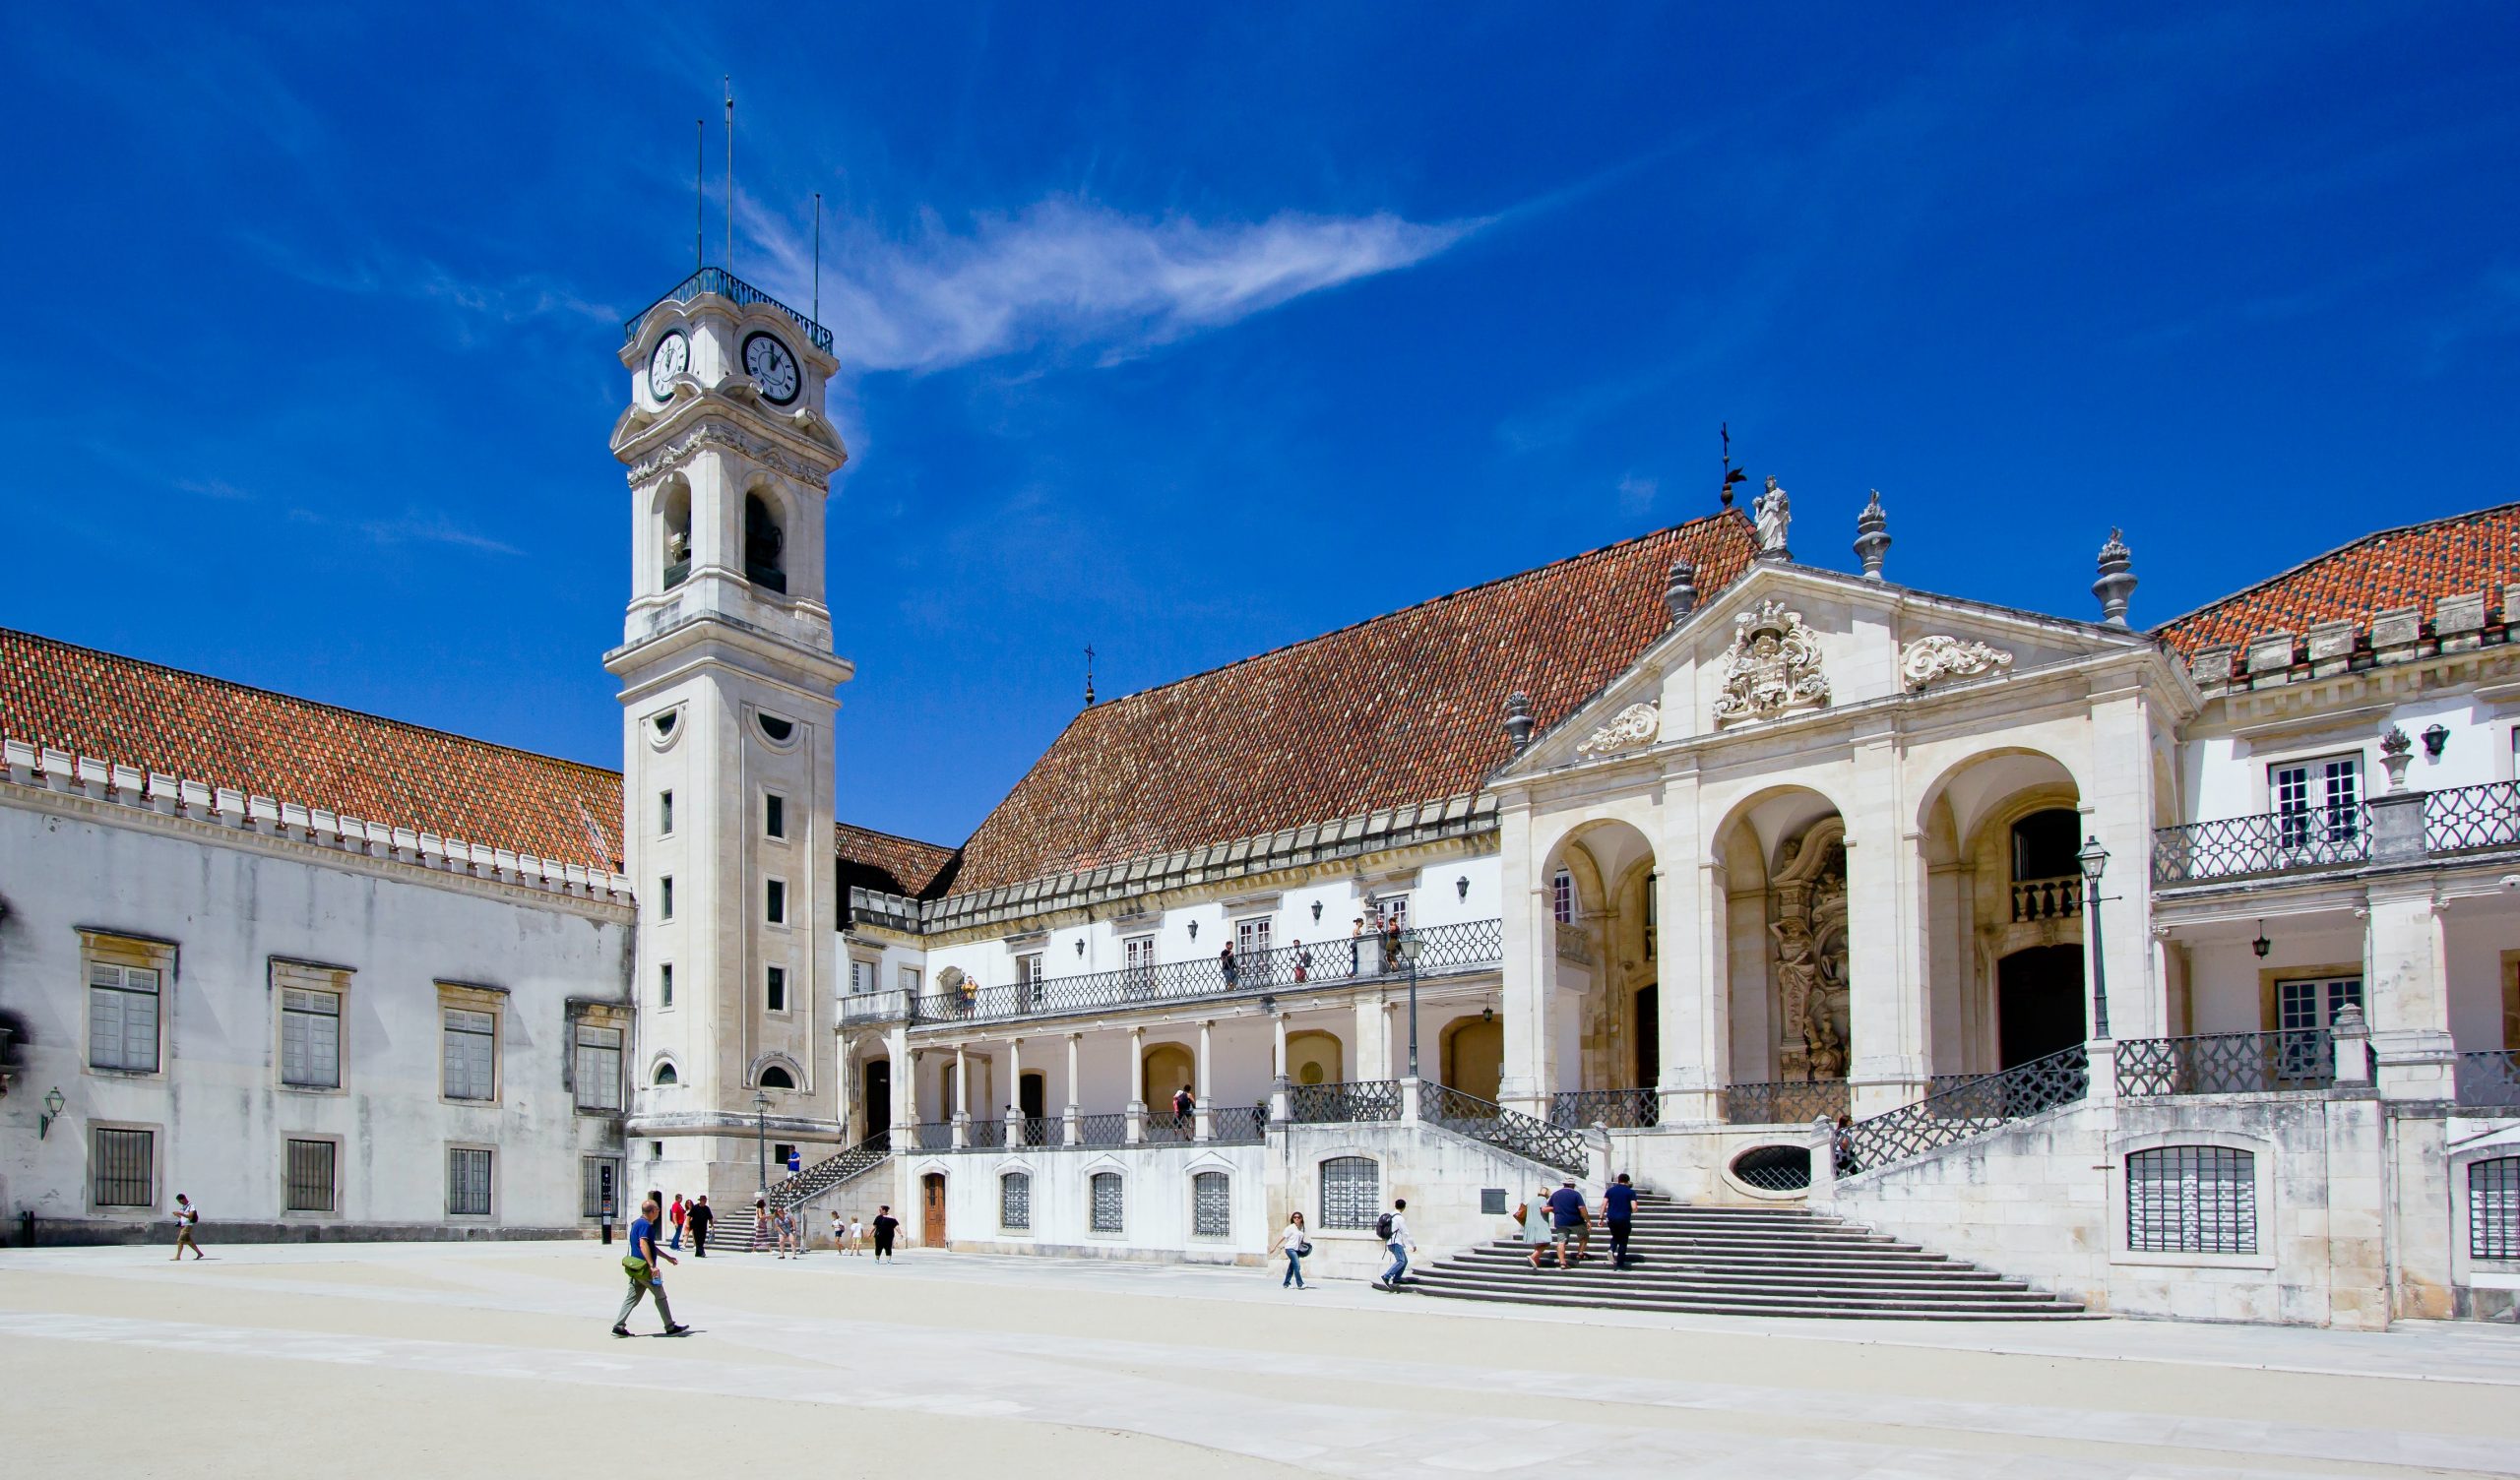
(2039, 1003)
(878, 1111)
(1031, 1095)
(1649, 1037)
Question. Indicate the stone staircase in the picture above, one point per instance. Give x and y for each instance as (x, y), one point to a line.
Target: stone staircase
(829, 1173)
(1748, 1261)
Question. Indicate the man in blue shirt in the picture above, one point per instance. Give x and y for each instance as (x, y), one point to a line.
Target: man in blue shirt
(1618, 1210)
(641, 1265)
(1568, 1217)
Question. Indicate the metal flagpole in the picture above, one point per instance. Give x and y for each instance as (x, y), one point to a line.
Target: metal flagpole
(731, 171)
(818, 256)
(699, 193)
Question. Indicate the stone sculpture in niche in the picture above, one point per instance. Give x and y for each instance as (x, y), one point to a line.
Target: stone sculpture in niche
(1774, 668)
(1930, 660)
(1635, 725)
(1807, 903)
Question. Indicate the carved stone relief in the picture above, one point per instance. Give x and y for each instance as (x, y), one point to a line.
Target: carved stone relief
(1773, 670)
(1931, 660)
(1807, 907)
(1635, 725)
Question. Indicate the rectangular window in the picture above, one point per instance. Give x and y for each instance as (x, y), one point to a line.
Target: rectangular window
(2192, 1200)
(1105, 1216)
(1015, 1201)
(909, 980)
(471, 1055)
(1561, 896)
(310, 1176)
(598, 1187)
(665, 814)
(599, 1067)
(1390, 910)
(774, 815)
(664, 984)
(2301, 1008)
(123, 1164)
(777, 990)
(2317, 803)
(467, 1180)
(1350, 1192)
(1138, 951)
(1251, 937)
(1211, 1206)
(774, 902)
(310, 1039)
(861, 975)
(665, 898)
(2493, 1208)
(122, 1016)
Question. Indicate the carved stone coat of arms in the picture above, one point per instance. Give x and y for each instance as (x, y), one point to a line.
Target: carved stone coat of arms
(1773, 668)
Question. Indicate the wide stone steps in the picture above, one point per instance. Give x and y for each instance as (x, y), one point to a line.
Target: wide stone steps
(1748, 1261)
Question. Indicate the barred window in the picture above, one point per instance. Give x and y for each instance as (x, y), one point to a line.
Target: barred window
(599, 1181)
(1211, 1206)
(2192, 1200)
(1107, 1202)
(1350, 1192)
(599, 1067)
(468, 1180)
(2493, 1208)
(1015, 1201)
(310, 1039)
(310, 1176)
(471, 1058)
(122, 1164)
(122, 1016)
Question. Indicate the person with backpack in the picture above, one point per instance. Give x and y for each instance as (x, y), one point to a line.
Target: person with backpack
(187, 1218)
(1295, 1247)
(677, 1215)
(1185, 1109)
(639, 1264)
(1571, 1220)
(1618, 1215)
(1393, 1229)
(700, 1215)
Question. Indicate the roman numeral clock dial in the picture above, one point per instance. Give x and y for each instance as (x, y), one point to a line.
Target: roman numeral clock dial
(771, 367)
(670, 357)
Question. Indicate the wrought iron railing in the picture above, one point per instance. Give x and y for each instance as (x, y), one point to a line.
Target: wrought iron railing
(726, 286)
(889, 1005)
(1240, 1125)
(2047, 899)
(1618, 1109)
(2463, 818)
(832, 1171)
(1963, 1113)
(1102, 1130)
(2297, 1059)
(1525, 1136)
(933, 1136)
(1342, 1103)
(2488, 1081)
(1468, 946)
(1034, 1131)
(1785, 1102)
(2269, 843)
(985, 1135)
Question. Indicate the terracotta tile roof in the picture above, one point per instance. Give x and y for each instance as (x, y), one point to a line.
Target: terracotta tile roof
(225, 734)
(2414, 565)
(895, 865)
(1401, 708)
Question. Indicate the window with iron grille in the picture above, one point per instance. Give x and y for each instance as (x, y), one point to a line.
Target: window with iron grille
(2493, 1208)
(122, 1164)
(2192, 1200)
(1015, 1201)
(1211, 1206)
(310, 1039)
(598, 1187)
(310, 1176)
(1106, 1188)
(467, 1180)
(1350, 1192)
(471, 1055)
(1561, 896)
(2318, 801)
(122, 1016)
(598, 1081)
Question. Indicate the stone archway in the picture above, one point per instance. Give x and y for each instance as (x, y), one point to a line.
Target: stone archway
(1473, 1054)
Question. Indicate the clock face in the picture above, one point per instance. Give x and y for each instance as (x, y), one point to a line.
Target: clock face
(671, 356)
(770, 364)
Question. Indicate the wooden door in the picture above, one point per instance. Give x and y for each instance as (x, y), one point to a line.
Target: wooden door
(931, 1211)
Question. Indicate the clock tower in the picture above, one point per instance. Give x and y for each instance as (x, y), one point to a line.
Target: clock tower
(728, 680)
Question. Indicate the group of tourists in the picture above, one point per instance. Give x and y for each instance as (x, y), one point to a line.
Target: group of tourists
(1551, 1220)
(656, 1237)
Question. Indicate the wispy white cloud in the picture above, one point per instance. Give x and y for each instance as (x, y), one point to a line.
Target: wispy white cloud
(412, 526)
(215, 488)
(509, 300)
(1072, 274)
(1636, 493)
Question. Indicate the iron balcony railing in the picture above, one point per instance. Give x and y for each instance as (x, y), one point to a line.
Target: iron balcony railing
(1525, 1136)
(1785, 1102)
(2296, 1059)
(933, 1136)
(1618, 1109)
(2270, 842)
(2465, 819)
(1965, 1112)
(1240, 1125)
(2488, 1081)
(725, 284)
(983, 1135)
(1034, 1131)
(2058, 898)
(1470, 946)
(1344, 1103)
(1110, 1130)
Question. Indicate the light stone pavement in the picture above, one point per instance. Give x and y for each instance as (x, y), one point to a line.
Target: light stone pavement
(494, 1359)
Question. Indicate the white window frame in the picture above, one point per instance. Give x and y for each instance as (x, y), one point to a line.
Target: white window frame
(304, 1009)
(489, 1165)
(664, 812)
(774, 815)
(2328, 788)
(1561, 896)
(1253, 935)
(447, 1030)
(775, 911)
(776, 991)
(862, 975)
(909, 979)
(1390, 907)
(586, 1066)
(118, 981)
(665, 898)
(665, 986)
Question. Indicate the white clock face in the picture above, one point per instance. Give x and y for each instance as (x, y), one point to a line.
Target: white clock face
(770, 364)
(671, 356)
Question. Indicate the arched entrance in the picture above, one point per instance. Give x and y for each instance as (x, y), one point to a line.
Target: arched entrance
(2005, 927)
(1168, 1067)
(1473, 1054)
(1314, 1057)
(1598, 918)
(2039, 1003)
(1784, 1022)
(877, 1111)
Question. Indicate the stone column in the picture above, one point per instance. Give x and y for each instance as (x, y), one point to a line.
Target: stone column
(1278, 1072)
(1374, 1053)
(1075, 1107)
(962, 1099)
(844, 1076)
(1203, 1124)
(1014, 1091)
(2405, 991)
(1137, 1085)
(2118, 811)
(1531, 949)
(1693, 989)
(2353, 1045)
(904, 1088)
(1889, 1001)
(1822, 1138)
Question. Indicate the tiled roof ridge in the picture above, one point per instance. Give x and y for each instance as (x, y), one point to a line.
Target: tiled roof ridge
(2163, 630)
(1532, 573)
(300, 698)
(941, 848)
(103, 779)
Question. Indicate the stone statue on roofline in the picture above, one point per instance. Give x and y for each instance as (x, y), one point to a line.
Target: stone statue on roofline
(1772, 512)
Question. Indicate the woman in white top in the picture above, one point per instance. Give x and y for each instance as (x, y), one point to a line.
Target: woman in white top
(1296, 1245)
(1536, 1229)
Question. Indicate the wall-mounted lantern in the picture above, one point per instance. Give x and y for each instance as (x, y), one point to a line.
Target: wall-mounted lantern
(2261, 945)
(2435, 739)
(52, 1104)
(1461, 886)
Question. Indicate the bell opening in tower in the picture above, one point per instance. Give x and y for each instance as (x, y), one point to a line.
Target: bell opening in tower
(763, 545)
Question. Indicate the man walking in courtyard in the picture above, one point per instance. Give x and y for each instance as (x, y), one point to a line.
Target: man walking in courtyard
(1572, 1221)
(641, 1265)
(675, 1215)
(187, 1218)
(700, 1217)
(1393, 1229)
(885, 1226)
(1618, 1212)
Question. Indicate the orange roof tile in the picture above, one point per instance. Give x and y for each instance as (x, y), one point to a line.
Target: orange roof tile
(2414, 565)
(892, 864)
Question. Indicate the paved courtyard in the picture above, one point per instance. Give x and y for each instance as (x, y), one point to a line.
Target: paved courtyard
(494, 1359)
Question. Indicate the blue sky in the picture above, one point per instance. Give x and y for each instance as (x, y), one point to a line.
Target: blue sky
(1189, 332)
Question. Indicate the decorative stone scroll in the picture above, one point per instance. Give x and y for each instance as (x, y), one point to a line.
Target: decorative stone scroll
(1636, 725)
(1930, 660)
(1774, 668)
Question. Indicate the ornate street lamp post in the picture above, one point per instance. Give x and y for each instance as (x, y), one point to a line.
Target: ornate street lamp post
(2094, 859)
(1410, 947)
(760, 1137)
